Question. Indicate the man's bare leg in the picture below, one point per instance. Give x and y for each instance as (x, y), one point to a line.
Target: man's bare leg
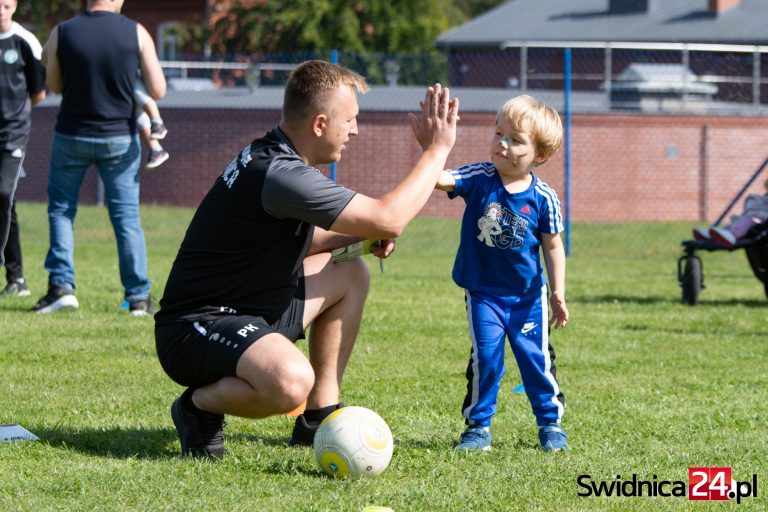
(273, 376)
(335, 299)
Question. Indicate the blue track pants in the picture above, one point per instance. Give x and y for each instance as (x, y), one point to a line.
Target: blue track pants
(525, 322)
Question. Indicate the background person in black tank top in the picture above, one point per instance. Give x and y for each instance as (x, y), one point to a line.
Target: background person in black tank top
(92, 61)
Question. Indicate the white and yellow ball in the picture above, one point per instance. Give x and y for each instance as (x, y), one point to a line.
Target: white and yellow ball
(353, 441)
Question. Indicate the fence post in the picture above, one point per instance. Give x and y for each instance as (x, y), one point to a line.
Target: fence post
(523, 68)
(756, 77)
(567, 148)
(334, 60)
(703, 178)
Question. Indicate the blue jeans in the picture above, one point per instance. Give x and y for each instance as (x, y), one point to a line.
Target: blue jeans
(118, 160)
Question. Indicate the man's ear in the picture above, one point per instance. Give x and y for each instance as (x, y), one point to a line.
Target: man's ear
(319, 123)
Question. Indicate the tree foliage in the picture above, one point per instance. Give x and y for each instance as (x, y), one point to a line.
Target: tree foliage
(44, 14)
(321, 25)
(388, 41)
(257, 26)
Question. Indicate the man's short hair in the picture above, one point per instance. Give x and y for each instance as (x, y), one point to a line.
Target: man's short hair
(542, 122)
(308, 84)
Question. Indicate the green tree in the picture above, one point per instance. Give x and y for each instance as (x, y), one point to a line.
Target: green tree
(44, 14)
(322, 25)
(385, 40)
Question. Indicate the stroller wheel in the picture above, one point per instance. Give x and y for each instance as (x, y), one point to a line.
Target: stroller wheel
(691, 280)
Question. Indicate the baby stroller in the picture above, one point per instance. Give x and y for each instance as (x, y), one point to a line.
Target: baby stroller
(690, 273)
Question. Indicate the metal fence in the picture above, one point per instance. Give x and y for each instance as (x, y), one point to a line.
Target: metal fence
(726, 76)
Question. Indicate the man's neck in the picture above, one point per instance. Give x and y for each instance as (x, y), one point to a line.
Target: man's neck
(101, 6)
(298, 142)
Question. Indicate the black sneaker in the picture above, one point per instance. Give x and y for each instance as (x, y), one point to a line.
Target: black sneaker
(158, 131)
(303, 433)
(201, 433)
(141, 307)
(17, 287)
(157, 158)
(304, 430)
(57, 298)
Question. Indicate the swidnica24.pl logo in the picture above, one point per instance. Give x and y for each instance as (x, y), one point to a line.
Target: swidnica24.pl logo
(704, 484)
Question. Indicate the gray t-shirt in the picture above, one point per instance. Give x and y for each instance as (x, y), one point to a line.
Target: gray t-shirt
(247, 241)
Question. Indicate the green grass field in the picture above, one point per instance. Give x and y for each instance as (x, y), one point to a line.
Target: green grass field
(653, 387)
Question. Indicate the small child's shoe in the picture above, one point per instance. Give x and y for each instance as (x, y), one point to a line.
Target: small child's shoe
(701, 234)
(475, 438)
(156, 158)
(553, 438)
(157, 131)
(723, 237)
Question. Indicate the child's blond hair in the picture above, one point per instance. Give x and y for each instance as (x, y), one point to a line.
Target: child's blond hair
(542, 122)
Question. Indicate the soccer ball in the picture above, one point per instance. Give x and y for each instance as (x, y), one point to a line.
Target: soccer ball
(353, 441)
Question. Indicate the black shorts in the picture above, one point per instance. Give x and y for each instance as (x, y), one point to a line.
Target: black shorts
(201, 353)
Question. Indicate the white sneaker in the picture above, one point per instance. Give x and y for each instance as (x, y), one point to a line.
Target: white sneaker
(56, 299)
(16, 287)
